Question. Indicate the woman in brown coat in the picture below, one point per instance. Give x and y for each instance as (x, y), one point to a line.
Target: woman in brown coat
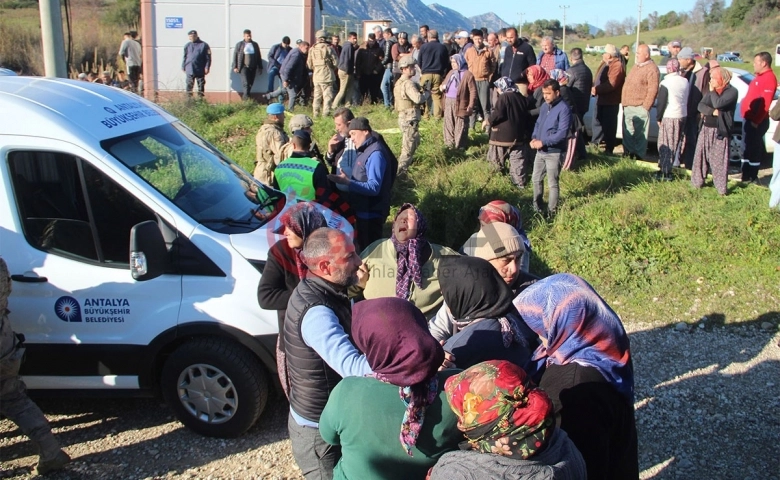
(460, 94)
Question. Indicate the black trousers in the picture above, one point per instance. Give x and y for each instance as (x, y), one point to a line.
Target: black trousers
(191, 83)
(134, 74)
(690, 139)
(368, 231)
(247, 80)
(755, 149)
(607, 116)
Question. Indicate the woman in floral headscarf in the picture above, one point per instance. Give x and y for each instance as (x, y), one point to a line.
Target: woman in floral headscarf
(460, 94)
(404, 265)
(509, 427)
(584, 360)
(510, 125)
(712, 148)
(285, 269)
(381, 435)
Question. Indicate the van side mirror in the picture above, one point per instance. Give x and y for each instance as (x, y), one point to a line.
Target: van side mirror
(148, 255)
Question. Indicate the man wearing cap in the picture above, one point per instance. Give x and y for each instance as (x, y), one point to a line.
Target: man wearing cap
(434, 62)
(371, 182)
(755, 110)
(408, 100)
(698, 77)
(638, 97)
(269, 141)
(196, 63)
(387, 63)
(130, 51)
(276, 56)
(674, 49)
(481, 63)
(300, 175)
(247, 62)
(608, 87)
(400, 49)
(346, 72)
(322, 62)
(463, 41)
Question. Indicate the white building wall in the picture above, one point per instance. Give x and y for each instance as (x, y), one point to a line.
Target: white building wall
(220, 23)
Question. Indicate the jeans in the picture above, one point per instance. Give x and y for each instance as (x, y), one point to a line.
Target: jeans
(387, 87)
(314, 456)
(272, 74)
(549, 164)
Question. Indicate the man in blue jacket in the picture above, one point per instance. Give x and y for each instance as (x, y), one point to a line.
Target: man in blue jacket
(196, 63)
(550, 138)
(276, 56)
(371, 182)
(294, 75)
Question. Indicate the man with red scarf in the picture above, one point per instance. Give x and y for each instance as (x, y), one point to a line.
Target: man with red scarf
(755, 110)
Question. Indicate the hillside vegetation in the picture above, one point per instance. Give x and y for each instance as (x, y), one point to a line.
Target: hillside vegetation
(659, 252)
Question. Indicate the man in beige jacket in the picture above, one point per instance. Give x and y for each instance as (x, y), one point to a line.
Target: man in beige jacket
(269, 141)
(481, 63)
(638, 96)
(322, 62)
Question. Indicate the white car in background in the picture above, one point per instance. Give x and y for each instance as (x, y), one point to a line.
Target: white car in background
(740, 79)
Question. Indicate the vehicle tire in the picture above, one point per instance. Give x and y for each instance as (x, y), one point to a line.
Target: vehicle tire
(736, 146)
(216, 387)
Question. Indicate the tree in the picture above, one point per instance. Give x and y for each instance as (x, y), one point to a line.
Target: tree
(629, 25)
(735, 14)
(613, 28)
(715, 12)
(652, 21)
(124, 12)
(699, 12)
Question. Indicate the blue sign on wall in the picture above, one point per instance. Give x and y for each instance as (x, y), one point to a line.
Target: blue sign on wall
(174, 22)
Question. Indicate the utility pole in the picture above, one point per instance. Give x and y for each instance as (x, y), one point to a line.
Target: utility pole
(638, 25)
(52, 39)
(564, 7)
(323, 21)
(345, 30)
(520, 32)
(357, 30)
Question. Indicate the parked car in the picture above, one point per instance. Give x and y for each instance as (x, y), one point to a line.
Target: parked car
(135, 249)
(726, 57)
(740, 79)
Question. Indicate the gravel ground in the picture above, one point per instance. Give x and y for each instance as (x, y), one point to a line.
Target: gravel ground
(708, 403)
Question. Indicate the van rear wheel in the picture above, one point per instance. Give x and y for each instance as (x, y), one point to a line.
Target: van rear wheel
(216, 387)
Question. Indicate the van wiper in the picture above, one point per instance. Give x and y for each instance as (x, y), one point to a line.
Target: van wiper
(226, 221)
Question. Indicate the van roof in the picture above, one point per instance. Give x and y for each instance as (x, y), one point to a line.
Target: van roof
(70, 109)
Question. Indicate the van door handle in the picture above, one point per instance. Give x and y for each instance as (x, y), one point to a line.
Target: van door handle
(24, 279)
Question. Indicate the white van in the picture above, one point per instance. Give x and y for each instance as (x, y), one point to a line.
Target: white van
(135, 249)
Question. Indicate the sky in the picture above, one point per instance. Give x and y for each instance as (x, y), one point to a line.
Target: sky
(595, 12)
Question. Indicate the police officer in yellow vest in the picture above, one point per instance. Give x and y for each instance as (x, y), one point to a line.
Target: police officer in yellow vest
(322, 62)
(302, 177)
(409, 99)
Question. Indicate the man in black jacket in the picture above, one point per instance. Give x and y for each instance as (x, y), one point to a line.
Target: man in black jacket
(434, 62)
(247, 62)
(580, 83)
(346, 72)
(276, 56)
(518, 56)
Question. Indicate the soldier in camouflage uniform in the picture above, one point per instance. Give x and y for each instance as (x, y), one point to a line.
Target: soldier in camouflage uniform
(322, 62)
(14, 402)
(269, 140)
(409, 98)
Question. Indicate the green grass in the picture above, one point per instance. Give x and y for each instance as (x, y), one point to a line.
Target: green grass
(658, 252)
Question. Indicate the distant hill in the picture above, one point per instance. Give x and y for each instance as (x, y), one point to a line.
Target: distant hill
(406, 15)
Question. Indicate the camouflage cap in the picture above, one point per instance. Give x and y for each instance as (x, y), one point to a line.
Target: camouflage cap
(406, 61)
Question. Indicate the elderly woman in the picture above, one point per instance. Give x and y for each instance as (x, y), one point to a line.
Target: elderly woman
(712, 148)
(460, 94)
(404, 265)
(381, 435)
(584, 361)
(536, 77)
(285, 269)
(672, 108)
(484, 324)
(510, 124)
(509, 427)
(501, 211)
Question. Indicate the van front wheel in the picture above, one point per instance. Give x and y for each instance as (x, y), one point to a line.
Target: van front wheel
(216, 387)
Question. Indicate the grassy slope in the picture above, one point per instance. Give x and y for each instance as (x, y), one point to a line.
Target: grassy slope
(659, 253)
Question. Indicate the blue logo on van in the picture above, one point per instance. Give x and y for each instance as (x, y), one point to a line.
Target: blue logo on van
(68, 309)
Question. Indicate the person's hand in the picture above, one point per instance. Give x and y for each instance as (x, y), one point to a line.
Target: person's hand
(285, 84)
(593, 91)
(334, 140)
(715, 113)
(755, 125)
(206, 72)
(449, 359)
(442, 87)
(235, 70)
(363, 275)
(659, 124)
(485, 125)
(340, 178)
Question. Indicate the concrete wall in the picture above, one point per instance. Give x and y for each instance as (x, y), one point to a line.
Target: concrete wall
(220, 23)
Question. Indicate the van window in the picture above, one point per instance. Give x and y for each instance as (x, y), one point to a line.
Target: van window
(58, 217)
(197, 178)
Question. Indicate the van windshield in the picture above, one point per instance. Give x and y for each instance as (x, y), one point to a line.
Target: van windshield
(197, 178)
